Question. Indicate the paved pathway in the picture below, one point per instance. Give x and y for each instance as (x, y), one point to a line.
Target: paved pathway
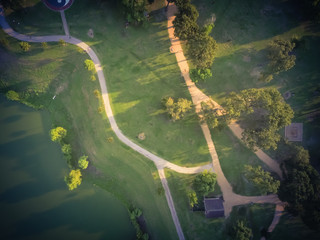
(159, 162)
(230, 198)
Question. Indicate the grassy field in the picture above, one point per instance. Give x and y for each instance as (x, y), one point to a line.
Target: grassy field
(196, 226)
(140, 71)
(114, 167)
(241, 56)
(233, 155)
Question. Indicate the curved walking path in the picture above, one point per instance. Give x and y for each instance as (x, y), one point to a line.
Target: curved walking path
(159, 162)
(230, 198)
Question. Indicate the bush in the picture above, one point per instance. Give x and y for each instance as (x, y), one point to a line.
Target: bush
(176, 110)
(96, 93)
(93, 78)
(90, 65)
(25, 46)
(62, 42)
(83, 162)
(74, 179)
(12, 95)
(44, 45)
(200, 74)
(110, 139)
(58, 133)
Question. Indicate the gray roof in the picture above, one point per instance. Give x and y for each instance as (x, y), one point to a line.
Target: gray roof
(213, 207)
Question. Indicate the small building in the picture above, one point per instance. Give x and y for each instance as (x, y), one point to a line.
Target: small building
(213, 207)
(294, 132)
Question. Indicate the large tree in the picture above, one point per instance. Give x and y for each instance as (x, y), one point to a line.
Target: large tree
(261, 179)
(134, 10)
(58, 133)
(202, 50)
(280, 55)
(205, 182)
(262, 113)
(184, 27)
(74, 179)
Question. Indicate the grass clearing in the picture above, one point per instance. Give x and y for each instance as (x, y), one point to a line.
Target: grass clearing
(113, 166)
(233, 155)
(241, 56)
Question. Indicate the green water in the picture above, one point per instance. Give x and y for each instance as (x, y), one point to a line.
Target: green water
(34, 201)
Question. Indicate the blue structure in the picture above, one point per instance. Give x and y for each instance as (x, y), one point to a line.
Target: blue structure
(58, 5)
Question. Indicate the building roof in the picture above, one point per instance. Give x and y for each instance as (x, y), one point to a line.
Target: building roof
(213, 207)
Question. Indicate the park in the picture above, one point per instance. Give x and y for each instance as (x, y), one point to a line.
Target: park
(171, 119)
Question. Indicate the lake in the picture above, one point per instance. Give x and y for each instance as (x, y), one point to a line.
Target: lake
(34, 200)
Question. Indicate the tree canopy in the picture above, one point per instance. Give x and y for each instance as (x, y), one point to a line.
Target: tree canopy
(202, 49)
(262, 113)
(184, 27)
(261, 179)
(204, 182)
(193, 199)
(74, 179)
(134, 10)
(83, 162)
(58, 133)
(13, 95)
(178, 109)
(279, 54)
(241, 231)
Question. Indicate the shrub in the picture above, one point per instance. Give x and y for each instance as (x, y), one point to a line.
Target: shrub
(58, 133)
(44, 45)
(110, 139)
(12, 95)
(96, 93)
(62, 42)
(200, 74)
(93, 78)
(83, 162)
(25, 46)
(89, 65)
(100, 109)
(74, 179)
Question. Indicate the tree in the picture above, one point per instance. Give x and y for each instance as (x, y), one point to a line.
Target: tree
(25, 46)
(262, 113)
(200, 74)
(184, 27)
(202, 50)
(189, 10)
(83, 162)
(211, 116)
(280, 55)
(193, 199)
(74, 179)
(176, 110)
(12, 95)
(135, 10)
(204, 182)
(89, 65)
(261, 179)
(241, 231)
(67, 151)
(58, 133)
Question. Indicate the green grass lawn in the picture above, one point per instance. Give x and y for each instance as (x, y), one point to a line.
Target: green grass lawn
(233, 156)
(196, 226)
(140, 71)
(243, 30)
(114, 167)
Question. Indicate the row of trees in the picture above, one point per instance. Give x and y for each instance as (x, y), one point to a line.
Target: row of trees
(135, 214)
(73, 180)
(200, 45)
